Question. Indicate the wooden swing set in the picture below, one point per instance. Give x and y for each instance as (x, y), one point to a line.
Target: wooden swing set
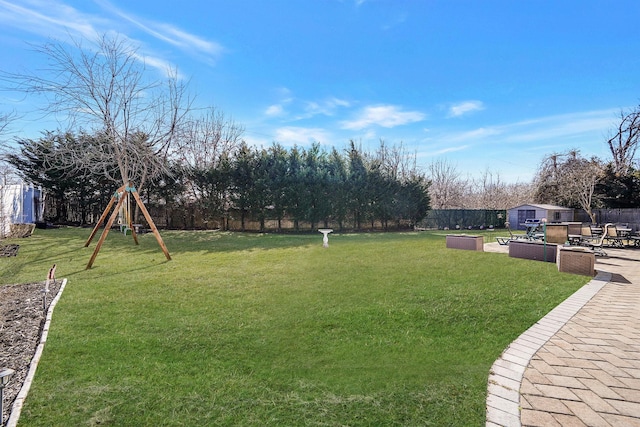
(123, 208)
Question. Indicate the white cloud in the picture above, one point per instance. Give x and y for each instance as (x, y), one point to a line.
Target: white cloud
(561, 127)
(339, 102)
(475, 134)
(450, 150)
(49, 19)
(300, 109)
(159, 64)
(370, 135)
(55, 19)
(397, 20)
(185, 40)
(465, 107)
(536, 134)
(284, 97)
(292, 135)
(274, 110)
(327, 107)
(167, 33)
(284, 93)
(387, 116)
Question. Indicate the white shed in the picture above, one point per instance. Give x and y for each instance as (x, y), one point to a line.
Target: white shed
(518, 215)
(19, 204)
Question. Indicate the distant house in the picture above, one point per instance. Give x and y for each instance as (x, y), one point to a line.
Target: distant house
(520, 214)
(19, 204)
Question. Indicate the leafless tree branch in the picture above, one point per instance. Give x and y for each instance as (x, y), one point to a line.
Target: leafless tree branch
(623, 142)
(106, 88)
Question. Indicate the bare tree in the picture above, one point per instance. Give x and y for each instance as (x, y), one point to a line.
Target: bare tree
(5, 120)
(447, 187)
(203, 145)
(7, 173)
(106, 88)
(569, 179)
(205, 139)
(396, 161)
(623, 142)
(489, 191)
(580, 180)
(548, 180)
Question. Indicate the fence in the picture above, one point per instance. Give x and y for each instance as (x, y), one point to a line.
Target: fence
(187, 217)
(464, 219)
(615, 216)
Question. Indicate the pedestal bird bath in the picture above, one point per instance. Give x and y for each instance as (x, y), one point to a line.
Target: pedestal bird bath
(325, 239)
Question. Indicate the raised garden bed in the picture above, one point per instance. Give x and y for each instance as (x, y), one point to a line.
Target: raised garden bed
(538, 251)
(464, 241)
(576, 260)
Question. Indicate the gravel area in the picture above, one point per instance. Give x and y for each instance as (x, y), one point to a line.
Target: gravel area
(22, 318)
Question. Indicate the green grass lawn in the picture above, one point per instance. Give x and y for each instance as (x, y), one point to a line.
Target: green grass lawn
(253, 330)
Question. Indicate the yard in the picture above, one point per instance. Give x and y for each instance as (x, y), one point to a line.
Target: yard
(251, 329)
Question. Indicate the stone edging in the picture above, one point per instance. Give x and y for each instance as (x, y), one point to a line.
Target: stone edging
(22, 395)
(505, 376)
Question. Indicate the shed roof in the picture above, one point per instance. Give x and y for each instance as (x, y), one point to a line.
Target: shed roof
(544, 206)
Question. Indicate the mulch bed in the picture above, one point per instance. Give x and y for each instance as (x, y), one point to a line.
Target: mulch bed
(22, 318)
(9, 250)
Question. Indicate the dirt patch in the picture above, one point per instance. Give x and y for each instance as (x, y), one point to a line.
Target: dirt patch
(22, 318)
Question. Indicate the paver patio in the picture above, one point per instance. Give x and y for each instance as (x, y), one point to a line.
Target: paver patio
(580, 364)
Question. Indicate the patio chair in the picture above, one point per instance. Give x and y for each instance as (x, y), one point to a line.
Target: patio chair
(597, 244)
(505, 240)
(585, 234)
(613, 237)
(595, 230)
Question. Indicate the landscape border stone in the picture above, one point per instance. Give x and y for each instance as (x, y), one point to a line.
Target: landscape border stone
(16, 409)
(505, 376)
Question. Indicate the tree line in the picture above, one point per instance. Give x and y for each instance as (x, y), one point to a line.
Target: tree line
(350, 189)
(570, 179)
(564, 178)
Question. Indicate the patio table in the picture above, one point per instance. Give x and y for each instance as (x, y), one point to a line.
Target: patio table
(575, 239)
(625, 234)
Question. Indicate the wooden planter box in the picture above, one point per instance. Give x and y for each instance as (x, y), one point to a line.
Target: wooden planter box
(557, 233)
(533, 250)
(463, 241)
(576, 261)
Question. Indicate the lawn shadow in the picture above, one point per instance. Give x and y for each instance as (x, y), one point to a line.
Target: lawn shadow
(178, 242)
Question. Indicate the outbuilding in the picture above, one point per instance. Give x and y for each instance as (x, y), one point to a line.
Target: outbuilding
(519, 215)
(19, 204)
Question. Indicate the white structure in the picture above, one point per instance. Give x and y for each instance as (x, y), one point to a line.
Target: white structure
(518, 215)
(325, 233)
(19, 204)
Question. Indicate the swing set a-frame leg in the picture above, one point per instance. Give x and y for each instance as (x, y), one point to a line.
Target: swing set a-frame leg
(103, 216)
(151, 224)
(103, 236)
(112, 218)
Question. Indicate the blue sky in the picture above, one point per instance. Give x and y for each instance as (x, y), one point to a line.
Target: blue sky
(485, 85)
